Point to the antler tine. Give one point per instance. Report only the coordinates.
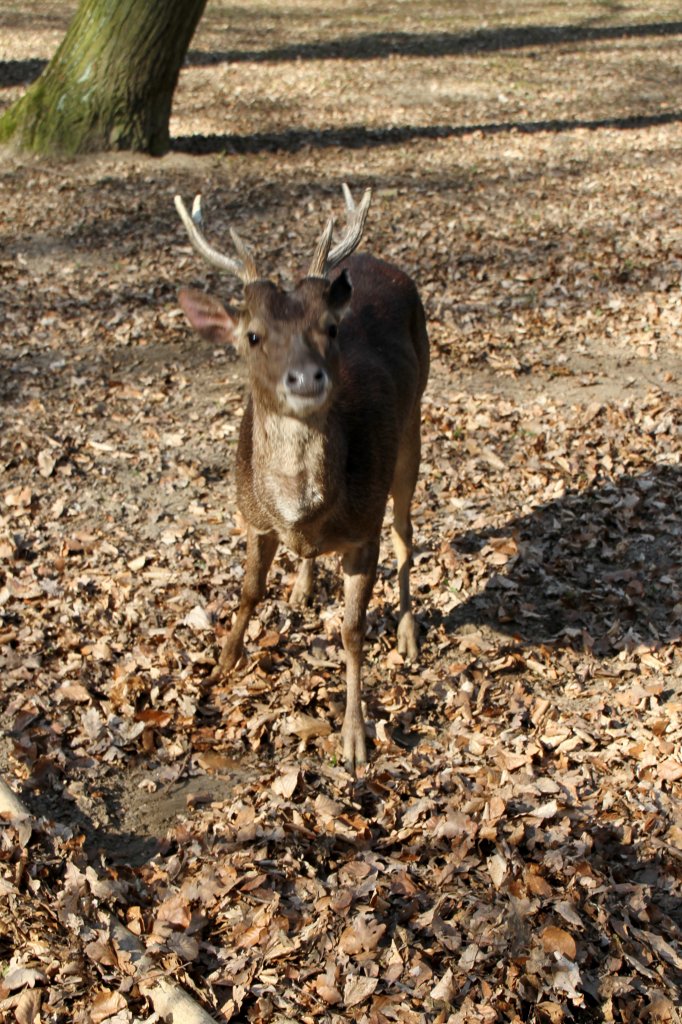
(243, 268)
(347, 197)
(245, 256)
(318, 264)
(356, 215)
(324, 260)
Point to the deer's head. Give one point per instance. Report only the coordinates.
(289, 338)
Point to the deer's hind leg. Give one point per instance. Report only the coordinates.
(359, 572)
(402, 491)
(303, 587)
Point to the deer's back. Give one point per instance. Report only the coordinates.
(384, 367)
(382, 340)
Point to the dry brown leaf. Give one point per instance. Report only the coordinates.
(252, 936)
(18, 497)
(497, 869)
(213, 761)
(569, 913)
(327, 808)
(537, 885)
(566, 978)
(105, 1004)
(305, 726)
(446, 988)
(670, 770)
(175, 911)
(358, 988)
(285, 784)
(75, 692)
(660, 1009)
(196, 618)
(28, 1005)
(18, 977)
(551, 1013)
(558, 940)
(545, 811)
(46, 463)
(325, 986)
(361, 935)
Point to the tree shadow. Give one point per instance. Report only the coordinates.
(361, 137)
(599, 569)
(119, 845)
(20, 72)
(377, 45)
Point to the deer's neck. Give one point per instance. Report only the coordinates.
(296, 467)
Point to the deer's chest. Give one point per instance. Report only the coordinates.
(293, 497)
(289, 475)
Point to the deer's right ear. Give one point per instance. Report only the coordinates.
(208, 316)
(340, 292)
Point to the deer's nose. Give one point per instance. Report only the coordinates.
(306, 381)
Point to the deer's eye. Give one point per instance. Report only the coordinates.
(332, 330)
(252, 338)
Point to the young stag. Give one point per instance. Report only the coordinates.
(337, 368)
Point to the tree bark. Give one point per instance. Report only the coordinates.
(110, 84)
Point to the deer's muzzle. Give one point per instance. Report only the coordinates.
(306, 388)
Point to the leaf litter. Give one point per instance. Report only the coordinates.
(512, 851)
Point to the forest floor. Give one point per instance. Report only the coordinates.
(513, 851)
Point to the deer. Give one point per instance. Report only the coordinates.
(336, 369)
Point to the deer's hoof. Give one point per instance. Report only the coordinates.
(354, 746)
(229, 656)
(299, 597)
(408, 637)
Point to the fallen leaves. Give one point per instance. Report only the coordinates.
(513, 850)
(557, 940)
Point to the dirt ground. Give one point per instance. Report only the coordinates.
(513, 850)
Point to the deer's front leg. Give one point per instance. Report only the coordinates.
(359, 572)
(260, 551)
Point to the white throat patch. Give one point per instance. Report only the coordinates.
(293, 462)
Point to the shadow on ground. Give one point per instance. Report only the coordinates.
(599, 569)
(360, 137)
(20, 72)
(378, 45)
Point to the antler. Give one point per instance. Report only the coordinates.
(244, 268)
(323, 260)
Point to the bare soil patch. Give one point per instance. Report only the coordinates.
(513, 850)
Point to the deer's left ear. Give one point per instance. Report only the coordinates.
(340, 292)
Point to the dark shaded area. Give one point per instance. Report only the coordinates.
(377, 45)
(119, 844)
(359, 137)
(26, 18)
(600, 568)
(120, 819)
(20, 72)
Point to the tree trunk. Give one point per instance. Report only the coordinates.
(110, 84)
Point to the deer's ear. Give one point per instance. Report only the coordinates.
(208, 316)
(340, 292)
